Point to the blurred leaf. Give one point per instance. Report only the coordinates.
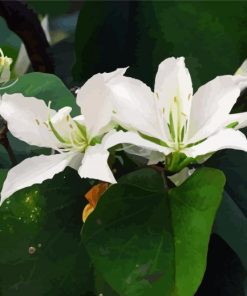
(141, 34)
(9, 41)
(231, 222)
(224, 274)
(144, 241)
(40, 250)
(52, 8)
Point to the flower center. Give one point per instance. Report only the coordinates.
(70, 133)
(177, 125)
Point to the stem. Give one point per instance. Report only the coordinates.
(161, 170)
(5, 142)
(23, 21)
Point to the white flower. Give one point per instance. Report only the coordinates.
(184, 125)
(5, 64)
(75, 139)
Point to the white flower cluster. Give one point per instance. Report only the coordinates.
(171, 124)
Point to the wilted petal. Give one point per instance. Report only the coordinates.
(86, 212)
(224, 139)
(34, 171)
(212, 104)
(26, 117)
(94, 99)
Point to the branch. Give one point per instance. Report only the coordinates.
(5, 141)
(25, 23)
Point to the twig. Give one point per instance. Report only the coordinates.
(25, 23)
(5, 141)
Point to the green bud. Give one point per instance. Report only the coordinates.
(5, 63)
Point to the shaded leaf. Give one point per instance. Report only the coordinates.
(40, 250)
(144, 241)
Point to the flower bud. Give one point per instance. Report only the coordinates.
(5, 63)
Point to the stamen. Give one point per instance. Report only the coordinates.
(171, 126)
(82, 129)
(55, 132)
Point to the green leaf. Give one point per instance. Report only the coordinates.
(145, 241)
(9, 41)
(52, 8)
(231, 225)
(142, 34)
(47, 87)
(40, 250)
(231, 222)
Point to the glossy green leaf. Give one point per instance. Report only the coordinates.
(47, 87)
(40, 250)
(145, 241)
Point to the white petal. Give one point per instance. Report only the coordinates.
(150, 157)
(156, 157)
(22, 61)
(135, 107)
(5, 75)
(224, 139)
(25, 117)
(34, 171)
(80, 119)
(94, 99)
(211, 105)
(240, 118)
(135, 150)
(174, 88)
(114, 138)
(94, 164)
